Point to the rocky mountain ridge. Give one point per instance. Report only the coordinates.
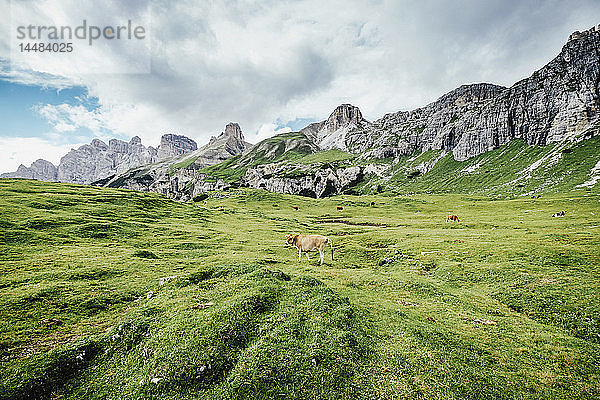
(558, 104)
(97, 160)
(557, 107)
(174, 175)
(40, 169)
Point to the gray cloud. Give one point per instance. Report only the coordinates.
(258, 62)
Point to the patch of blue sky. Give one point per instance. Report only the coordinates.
(296, 124)
(18, 104)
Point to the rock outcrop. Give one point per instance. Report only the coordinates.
(179, 177)
(229, 143)
(342, 116)
(559, 101)
(332, 133)
(317, 183)
(98, 160)
(41, 170)
(175, 145)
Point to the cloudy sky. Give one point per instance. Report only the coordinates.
(271, 66)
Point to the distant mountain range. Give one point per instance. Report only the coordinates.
(540, 134)
(97, 160)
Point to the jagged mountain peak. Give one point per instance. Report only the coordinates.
(577, 34)
(234, 131)
(99, 144)
(342, 116)
(231, 139)
(173, 145)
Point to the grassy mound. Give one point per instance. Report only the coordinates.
(236, 332)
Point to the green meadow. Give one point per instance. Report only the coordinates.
(110, 293)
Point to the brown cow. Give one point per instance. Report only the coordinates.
(306, 243)
(340, 208)
(295, 207)
(452, 218)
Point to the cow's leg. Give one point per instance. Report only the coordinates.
(299, 255)
(321, 256)
(307, 256)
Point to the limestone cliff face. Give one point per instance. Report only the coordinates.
(41, 170)
(557, 102)
(174, 145)
(178, 177)
(311, 183)
(98, 160)
(343, 116)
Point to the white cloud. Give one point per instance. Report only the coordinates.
(258, 62)
(17, 150)
(266, 131)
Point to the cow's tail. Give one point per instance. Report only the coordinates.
(331, 245)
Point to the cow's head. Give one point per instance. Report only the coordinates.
(289, 239)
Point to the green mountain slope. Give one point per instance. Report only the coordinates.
(512, 170)
(283, 147)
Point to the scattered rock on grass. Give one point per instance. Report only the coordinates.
(202, 306)
(548, 281)
(51, 321)
(166, 279)
(485, 322)
(406, 303)
(145, 254)
(387, 260)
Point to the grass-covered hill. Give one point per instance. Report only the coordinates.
(515, 169)
(118, 294)
(512, 170)
(280, 148)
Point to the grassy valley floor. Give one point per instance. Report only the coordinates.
(118, 294)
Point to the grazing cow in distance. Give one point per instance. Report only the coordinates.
(559, 214)
(220, 209)
(306, 243)
(340, 208)
(452, 218)
(295, 207)
(372, 203)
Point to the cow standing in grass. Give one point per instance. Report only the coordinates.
(452, 218)
(306, 243)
